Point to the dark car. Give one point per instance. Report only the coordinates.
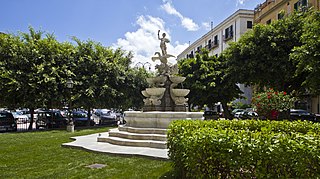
(300, 114)
(81, 119)
(105, 117)
(51, 119)
(7, 122)
(207, 115)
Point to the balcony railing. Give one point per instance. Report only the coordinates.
(230, 36)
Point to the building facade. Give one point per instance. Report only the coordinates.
(272, 10)
(217, 39)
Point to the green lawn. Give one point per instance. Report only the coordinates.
(40, 155)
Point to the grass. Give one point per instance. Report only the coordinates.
(40, 155)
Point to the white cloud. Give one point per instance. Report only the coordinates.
(240, 2)
(144, 41)
(185, 21)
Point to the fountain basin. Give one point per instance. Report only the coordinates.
(158, 79)
(145, 94)
(155, 91)
(180, 92)
(177, 79)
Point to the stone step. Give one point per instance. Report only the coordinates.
(134, 143)
(136, 136)
(143, 130)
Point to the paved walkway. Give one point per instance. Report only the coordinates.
(89, 142)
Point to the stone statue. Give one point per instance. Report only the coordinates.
(163, 42)
(163, 68)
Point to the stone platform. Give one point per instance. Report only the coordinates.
(145, 134)
(146, 129)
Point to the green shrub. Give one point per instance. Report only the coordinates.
(245, 149)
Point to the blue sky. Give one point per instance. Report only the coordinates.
(129, 24)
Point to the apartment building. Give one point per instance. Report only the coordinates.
(217, 39)
(272, 10)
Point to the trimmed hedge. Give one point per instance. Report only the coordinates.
(245, 149)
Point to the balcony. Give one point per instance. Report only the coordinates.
(228, 37)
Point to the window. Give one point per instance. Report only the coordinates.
(281, 14)
(249, 24)
(199, 49)
(191, 54)
(268, 21)
(215, 40)
(300, 4)
(209, 44)
(296, 5)
(304, 3)
(228, 34)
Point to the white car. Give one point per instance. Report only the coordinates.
(238, 114)
(20, 117)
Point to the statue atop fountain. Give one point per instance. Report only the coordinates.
(162, 94)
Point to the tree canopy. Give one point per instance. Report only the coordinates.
(261, 57)
(307, 56)
(207, 81)
(35, 67)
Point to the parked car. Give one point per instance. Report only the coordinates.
(300, 114)
(207, 115)
(7, 122)
(105, 117)
(233, 112)
(120, 117)
(81, 118)
(20, 117)
(51, 119)
(246, 115)
(25, 112)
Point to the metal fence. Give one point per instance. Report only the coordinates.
(23, 125)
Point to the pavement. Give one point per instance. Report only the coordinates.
(89, 142)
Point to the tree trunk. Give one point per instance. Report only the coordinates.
(227, 113)
(31, 118)
(89, 116)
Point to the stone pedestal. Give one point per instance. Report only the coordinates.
(70, 128)
(157, 119)
(146, 129)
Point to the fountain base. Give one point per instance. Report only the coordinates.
(157, 119)
(175, 108)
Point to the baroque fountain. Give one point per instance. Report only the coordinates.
(164, 102)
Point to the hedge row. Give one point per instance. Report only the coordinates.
(245, 149)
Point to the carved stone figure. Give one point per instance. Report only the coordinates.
(163, 42)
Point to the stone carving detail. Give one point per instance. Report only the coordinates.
(154, 96)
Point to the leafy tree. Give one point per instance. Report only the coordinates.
(103, 78)
(307, 56)
(261, 57)
(207, 82)
(32, 69)
(135, 82)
